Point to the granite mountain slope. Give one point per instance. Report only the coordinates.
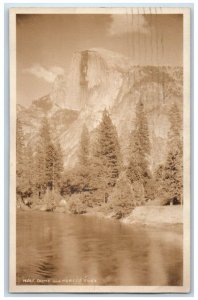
(99, 79)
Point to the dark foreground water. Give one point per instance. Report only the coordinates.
(66, 249)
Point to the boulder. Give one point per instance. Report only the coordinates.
(62, 203)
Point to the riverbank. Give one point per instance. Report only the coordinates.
(171, 214)
(147, 215)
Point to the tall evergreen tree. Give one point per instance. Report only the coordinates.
(158, 181)
(106, 160)
(172, 178)
(175, 132)
(20, 148)
(22, 184)
(140, 143)
(173, 169)
(83, 166)
(49, 160)
(44, 140)
(40, 169)
(51, 165)
(139, 151)
(54, 166)
(30, 168)
(59, 164)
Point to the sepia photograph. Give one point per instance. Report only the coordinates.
(100, 149)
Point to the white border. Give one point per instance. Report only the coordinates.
(185, 288)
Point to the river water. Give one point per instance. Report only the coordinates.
(67, 249)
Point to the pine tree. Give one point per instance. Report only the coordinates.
(174, 135)
(173, 177)
(109, 149)
(83, 166)
(173, 169)
(59, 169)
(44, 140)
(106, 159)
(140, 143)
(54, 166)
(158, 182)
(40, 169)
(20, 149)
(22, 183)
(139, 151)
(122, 198)
(30, 168)
(50, 165)
(49, 160)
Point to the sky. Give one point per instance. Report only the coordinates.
(46, 43)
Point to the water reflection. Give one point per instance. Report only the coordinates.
(67, 249)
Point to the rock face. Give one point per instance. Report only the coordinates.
(100, 79)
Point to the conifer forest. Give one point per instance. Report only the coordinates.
(102, 177)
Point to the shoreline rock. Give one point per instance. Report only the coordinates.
(147, 215)
(171, 214)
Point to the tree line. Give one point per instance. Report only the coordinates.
(100, 176)
(40, 171)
